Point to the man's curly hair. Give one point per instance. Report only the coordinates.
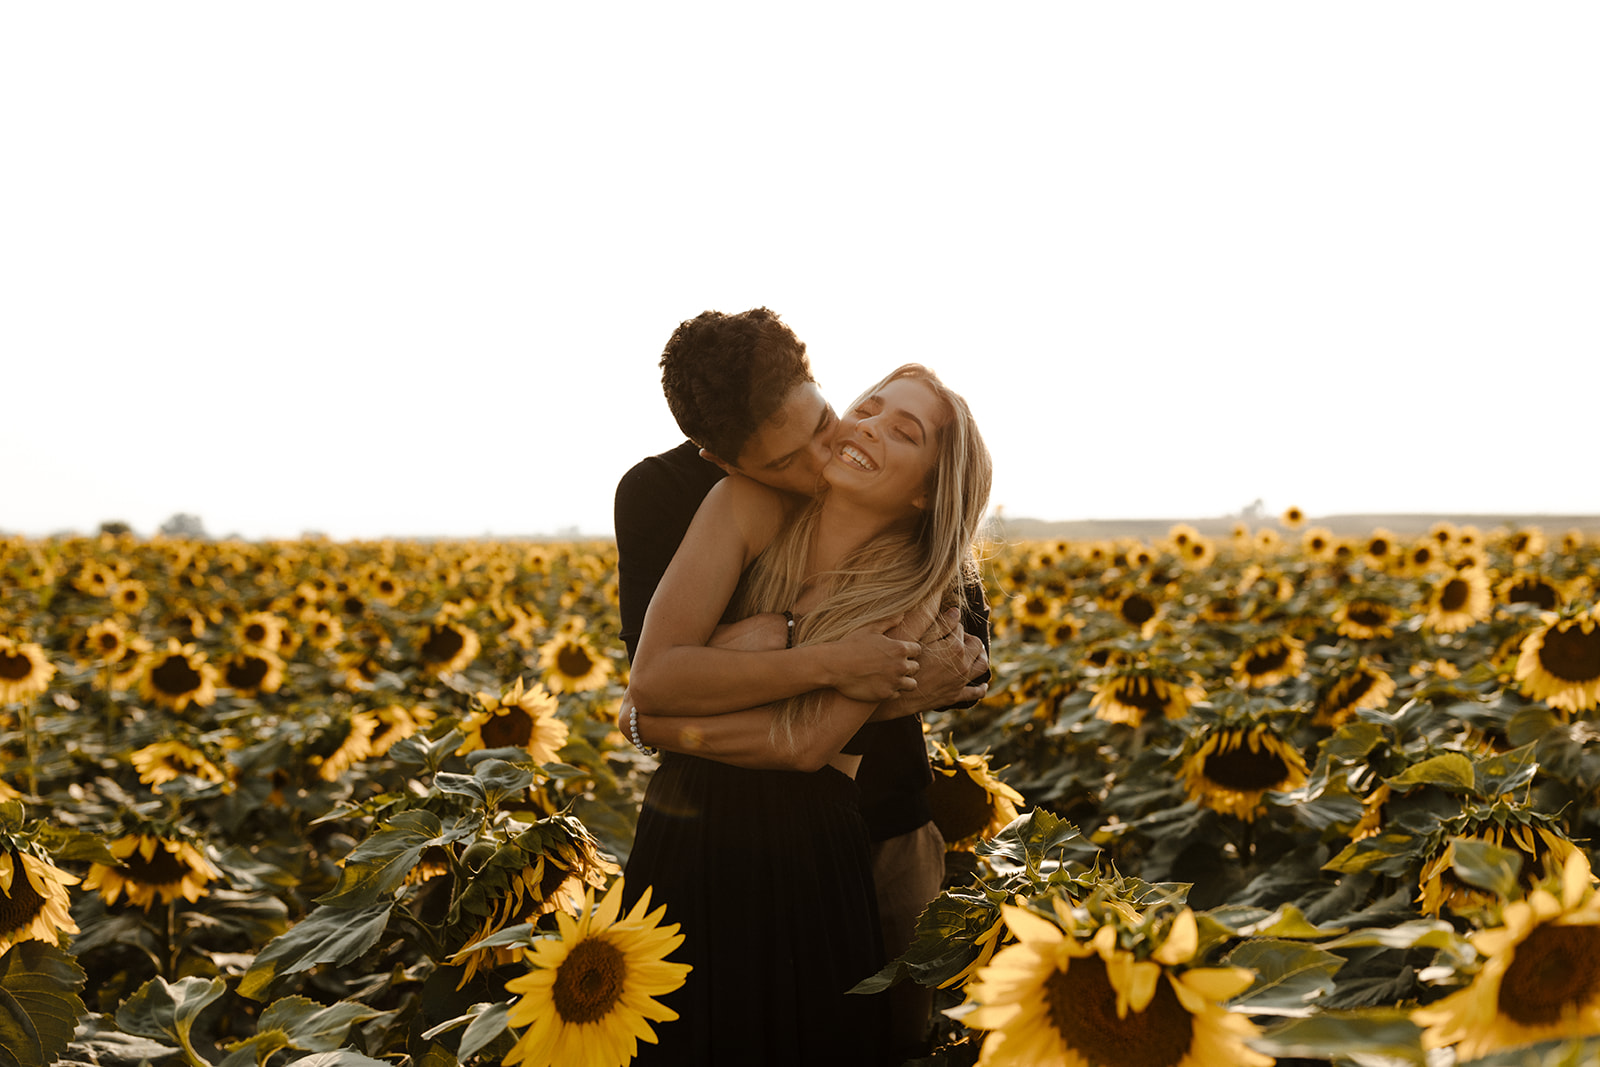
(724, 375)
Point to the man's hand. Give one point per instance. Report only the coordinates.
(949, 660)
(759, 633)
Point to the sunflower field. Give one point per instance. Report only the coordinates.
(1282, 797)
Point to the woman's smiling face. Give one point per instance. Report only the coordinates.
(886, 444)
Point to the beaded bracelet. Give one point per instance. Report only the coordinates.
(788, 634)
(633, 730)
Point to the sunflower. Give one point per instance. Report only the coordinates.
(385, 587)
(1199, 553)
(1365, 619)
(252, 671)
(1380, 547)
(1140, 611)
(1541, 981)
(396, 723)
(1180, 535)
(1528, 541)
(571, 664)
(322, 627)
(354, 747)
(1442, 534)
(545, 886)
(1130, 697)
(1053, 1000)
(1543, 852)
(33, 899)
(516, 719)
(1363, 686)
(1268, 541)
(1317, 541)
(164, 761)
(178, 676)
(92, 579)
(152, 867)
(262, 629)
(589, 996)
(1220, 610)
(1560, 662)
(447, 647)
(1459, 602)
(1233, 767)
(24, 671)
(1293, 518)
(1528, 588)
(131, 596)
(1277, 659)
(1063, 631)
(103, 642)
(967, 801)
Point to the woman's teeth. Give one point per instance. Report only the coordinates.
(857, 457)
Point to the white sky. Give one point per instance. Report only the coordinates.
(400, 268)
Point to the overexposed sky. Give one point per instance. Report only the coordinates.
(405, 269)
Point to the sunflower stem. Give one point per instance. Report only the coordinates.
(31, 741)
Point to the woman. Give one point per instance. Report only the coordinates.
(768, 870)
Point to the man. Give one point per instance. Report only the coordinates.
(741, 389)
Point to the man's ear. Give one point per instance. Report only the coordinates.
(712, 457)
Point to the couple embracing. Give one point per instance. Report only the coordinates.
(795, 588)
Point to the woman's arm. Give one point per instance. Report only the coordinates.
(674, 673)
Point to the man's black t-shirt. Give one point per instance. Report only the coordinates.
(655, 503)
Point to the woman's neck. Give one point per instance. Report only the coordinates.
(842, 527)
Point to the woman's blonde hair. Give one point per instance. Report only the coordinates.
(893, 573)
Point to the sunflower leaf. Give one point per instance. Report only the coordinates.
(1487, 866)
(483, 1024)
(1451, 770)
(1568, 1052)
(39, 1004)
(345, 1057)
(166, 1011)
(1028, 839)
(1506, 771)
(378, 866)
(1290, 976)
(1419, 933)
(327, 935)
(257, 1048)
(417, 750)
(1376, 1035)
(520, 935)
(315, 1027)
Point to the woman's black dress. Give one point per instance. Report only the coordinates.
(769, 875)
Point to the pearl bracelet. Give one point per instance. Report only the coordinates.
(633, 731)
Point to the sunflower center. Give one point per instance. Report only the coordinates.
(1454, 595)
(14, 667)
(255, 633)
(1266, 659)
(1367, 615)
(589, 981)
(1083, 1009)
(23, 904)
(960, 806)
(1351, 689)
(1138, 608)
(1571, 653)
(109, 642)
(444, 643)
(1244, 770)
(247, 672)
(1147, 694)
(573, 661)
(1554, 970)
(175, 677)
(163, 868)
(512, 728)
(1533, 591)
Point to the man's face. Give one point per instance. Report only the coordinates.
(789, 450)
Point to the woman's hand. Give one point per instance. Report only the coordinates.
(871, 665)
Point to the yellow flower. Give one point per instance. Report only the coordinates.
(1052, 1000)
(354, 747)
(396, 723)
(1139, 611)
(1293, 518)
(447, 647)
(1234, 767)
(262, 629)
(1365, 686)
(1542, 979)
(1365, 619)
(178, 676)
(24, 671)
(323, 629)
(589, 997)
(1543, 852)
(163, 761)
(968, 802)
(102, 642)
(1459, 602)
(1529, 588)
(1560, 662)
(251, 671)
(516, 719)
(33, 900)
(131, 596)
(571, 664)
(152, 868)
(1277, 659)
(1129, 698)
(1317, 541)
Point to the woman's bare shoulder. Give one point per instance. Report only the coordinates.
(757, 510)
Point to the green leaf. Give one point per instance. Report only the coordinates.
(345, 1057)
(417, 750)
(1452, 770)
(1418, 933)
(39, 1004)
(1290, 976)
(315, 1027)
(1288, 922)
(378, 866)
(945, 942)
(482, 1031)
(1486, 866)
(1353, 741)
(1029, 839)
(257, 1048)
(98, 1037)
(327, 935)
(1376, 1035)
(1391, 853)
(1506, 771)
(520, 935)
(166, 1011)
